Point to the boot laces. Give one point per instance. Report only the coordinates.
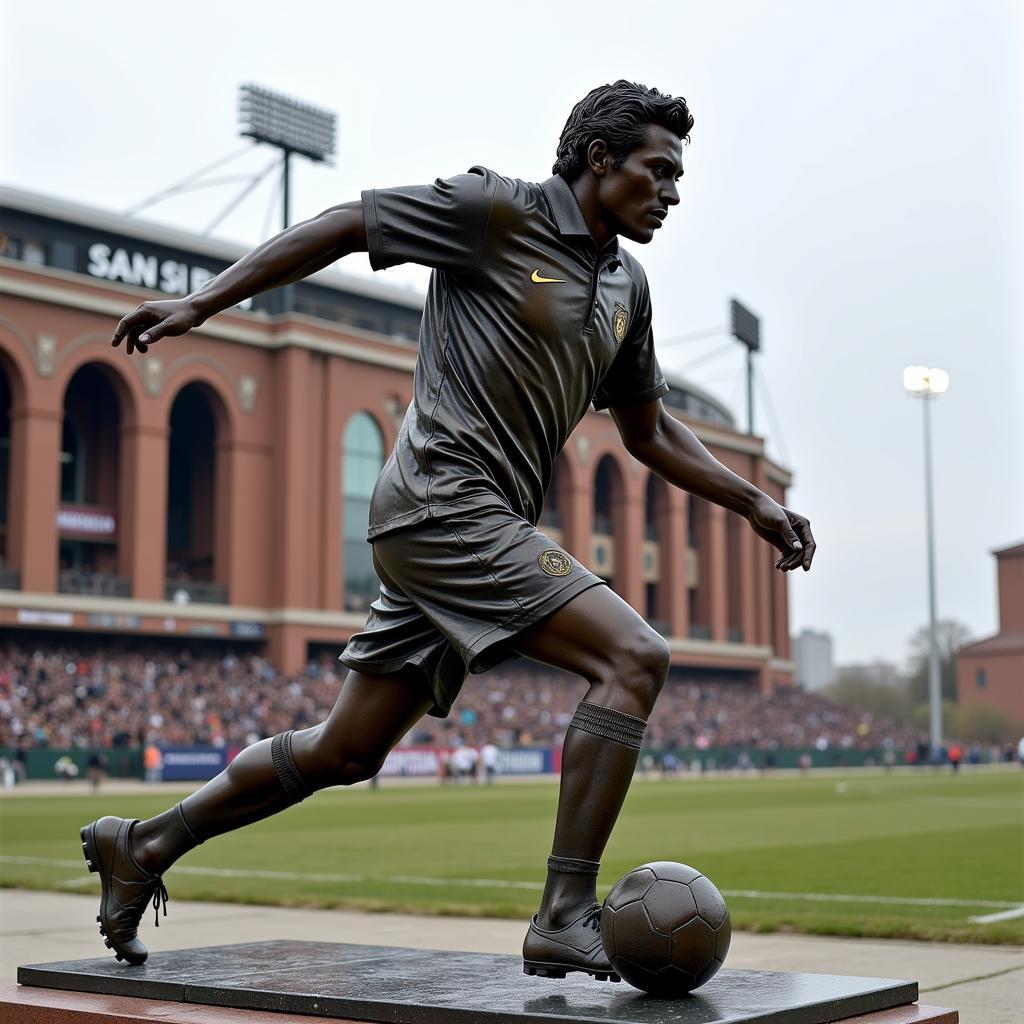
(159, 898)
(154, 895)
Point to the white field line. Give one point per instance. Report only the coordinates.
(499, 883)
(1004, 915)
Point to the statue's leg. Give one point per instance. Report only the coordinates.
(600, 637)
(372, 713)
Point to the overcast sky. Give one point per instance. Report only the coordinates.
(854, 177)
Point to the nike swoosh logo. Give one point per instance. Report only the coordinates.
(537, 279)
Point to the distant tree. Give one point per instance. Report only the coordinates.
(986, 725)
(921, 718)
(952, 635)
(883, 700)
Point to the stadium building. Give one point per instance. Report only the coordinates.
(218, 486)
(990, 672)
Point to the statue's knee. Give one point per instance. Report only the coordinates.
(636, 671)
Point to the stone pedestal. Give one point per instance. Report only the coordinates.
(392, 985)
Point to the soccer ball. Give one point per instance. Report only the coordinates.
(665, 928)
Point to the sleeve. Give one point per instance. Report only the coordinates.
(634, 376)
(442, 226)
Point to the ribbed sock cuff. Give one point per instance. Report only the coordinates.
(613, 725)
(572, 866)
(291, 780)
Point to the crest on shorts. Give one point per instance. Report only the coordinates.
(555, 563)
(620, 322)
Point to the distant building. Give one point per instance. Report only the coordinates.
(991, 671)
(812, 652)
(215, 490)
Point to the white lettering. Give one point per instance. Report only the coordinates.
(71, 521)
(144, 268)
(169, 276)
(120, 268)
(99, 259)
(174, 277)
(30, 617)
(182, 758)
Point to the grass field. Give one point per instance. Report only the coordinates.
(902, 855)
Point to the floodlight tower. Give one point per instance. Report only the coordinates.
(292, 126)
(927, 383)
(746, 328)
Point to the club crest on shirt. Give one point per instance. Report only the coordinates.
(555, 563)
(620, 322)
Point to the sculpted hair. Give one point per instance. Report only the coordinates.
(619, 114)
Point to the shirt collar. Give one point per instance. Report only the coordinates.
(565, 209)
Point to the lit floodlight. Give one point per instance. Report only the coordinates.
(924, 380)
(290, 124)
(915, 378)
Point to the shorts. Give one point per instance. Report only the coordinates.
(455, 591)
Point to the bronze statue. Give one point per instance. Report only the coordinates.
(533, 314)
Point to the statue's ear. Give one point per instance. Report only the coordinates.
(599, 157)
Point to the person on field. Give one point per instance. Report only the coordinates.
(534, 314)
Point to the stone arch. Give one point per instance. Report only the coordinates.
(12, 396)
(656, 568)
(21, 384)
(127, 385)
(698, 533)
(198, 496)
(17, 345)
(98, 404)
(609, 482)
(218, 386)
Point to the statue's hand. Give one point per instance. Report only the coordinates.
(785, 530)
(155, 320)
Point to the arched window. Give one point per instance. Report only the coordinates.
(609, 525)
(194, 506)
(5, 462)
(657, 573)
(362, 458)
(90, 477)
(603, 498)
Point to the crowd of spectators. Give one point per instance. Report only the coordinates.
(120, 696)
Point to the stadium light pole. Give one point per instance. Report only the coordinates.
(746, 328)
(290, 125)
(926, 383)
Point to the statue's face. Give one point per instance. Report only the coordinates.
(636, 196)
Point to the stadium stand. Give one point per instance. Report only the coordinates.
(80, 697)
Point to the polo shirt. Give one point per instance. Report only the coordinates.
(525, 326)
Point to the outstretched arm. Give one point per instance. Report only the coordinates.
(293, 254)
(672, 451)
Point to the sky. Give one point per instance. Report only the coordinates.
(853, 177)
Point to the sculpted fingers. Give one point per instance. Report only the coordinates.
(803, 553)
(803, 528)
(127, 325)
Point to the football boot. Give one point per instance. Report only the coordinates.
(126, 888)
(576, 947)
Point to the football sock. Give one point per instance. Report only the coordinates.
(262, 780)
(598, 759)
